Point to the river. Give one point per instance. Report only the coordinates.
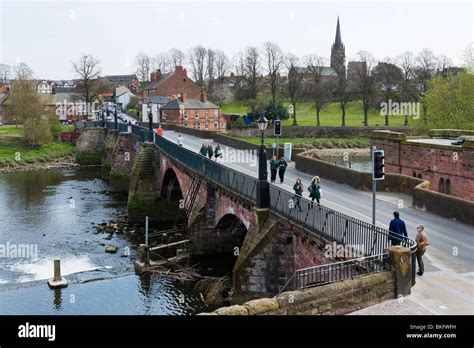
(51, 214)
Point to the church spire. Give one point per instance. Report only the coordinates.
(338, 41)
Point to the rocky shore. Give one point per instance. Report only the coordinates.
(68, 161)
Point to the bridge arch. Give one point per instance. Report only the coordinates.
(232, 231)
(170, 186)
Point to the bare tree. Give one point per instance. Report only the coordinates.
(222, 64)
(143, 66)
(341, 87)
(424, 72)
(210, 70)
(176, 57)
(317, 89)
(273, 56)
(443, 64)
(406, 63)
(388, 77)
(295, 76)
(364, 81)
(197, 58)
(88, 69)
(5, 72)
(163, 62)
(252, 77)
(468, 57)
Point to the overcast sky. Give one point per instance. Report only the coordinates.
(50, 35)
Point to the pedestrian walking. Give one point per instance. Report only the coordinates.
(397, 229)
(203, 151)
(179, 141)
(159, 131)
(315, 190)
(217, 152)
(273, 169)
(210, 151)
(421, 244)
(298, 188)
(282, 164)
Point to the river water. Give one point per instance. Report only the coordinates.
(51, 214)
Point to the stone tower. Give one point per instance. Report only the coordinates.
(338, 52)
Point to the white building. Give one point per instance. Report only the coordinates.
(123, 96)
(156, 103)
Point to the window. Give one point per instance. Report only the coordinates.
(448, 187)
(441, 186)
(207, 115)
(216, 114)
(414, 174)
(185, 123)
(197, 115)
(216, 124)
(185, 115)
(206, 125)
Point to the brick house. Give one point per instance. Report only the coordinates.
(173, 83)
(444, 160)
(193, 113)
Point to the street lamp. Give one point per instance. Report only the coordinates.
(116, 118)
(150, 122)
(263, 188)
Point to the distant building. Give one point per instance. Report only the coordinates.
(173, 83)
(193, 113)
(122, 96)
(129, 81)
(58, 86)
(156, 103)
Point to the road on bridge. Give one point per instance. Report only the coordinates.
(447, 287)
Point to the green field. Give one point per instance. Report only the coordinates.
(330, 114)
(14, 152)
(13, 130)
(320, 143)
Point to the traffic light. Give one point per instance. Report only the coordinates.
(378, 162)
(277, 128)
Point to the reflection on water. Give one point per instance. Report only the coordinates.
(54, 210)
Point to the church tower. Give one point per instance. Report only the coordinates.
(338, 51)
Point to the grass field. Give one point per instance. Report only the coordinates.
(13, 130)
(14, 152)
(319, 143)
(330, 114)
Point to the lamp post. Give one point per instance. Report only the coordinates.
(263, 187)
(150, 123)
(116, 118)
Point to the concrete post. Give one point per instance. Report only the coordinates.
(400, 259)
(57, 281)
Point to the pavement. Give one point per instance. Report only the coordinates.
(446, 287)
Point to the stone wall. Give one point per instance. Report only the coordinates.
(123, 157)
(89, 146)
(315, 132)
(332, 299)
(423, 197)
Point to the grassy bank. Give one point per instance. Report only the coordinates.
(330, 114)
(13, 130)
(318, 143)
(13, 151)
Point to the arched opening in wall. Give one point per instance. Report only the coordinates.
(441, 185)
(171, 201)
(448, 187)
(414, 174)
(224, 244)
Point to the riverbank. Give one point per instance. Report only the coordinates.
(63, 162)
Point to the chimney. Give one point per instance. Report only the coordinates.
(158, 74)
(183, 97)
(203, 97)
(152, 76)
(185, 71)
(179, 68)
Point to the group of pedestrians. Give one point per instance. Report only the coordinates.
(208, 151)
(398, 233)
(314, 189)
(280, 166)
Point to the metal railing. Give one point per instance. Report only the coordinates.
(362, 237)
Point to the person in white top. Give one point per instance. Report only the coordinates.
(180, 140)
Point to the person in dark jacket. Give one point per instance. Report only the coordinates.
(298, 188)
(397, 229)
(273, 168)
(203, 151)
(315, 190)
(210, 151)
(281, 169)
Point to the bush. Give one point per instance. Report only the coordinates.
(55, 127)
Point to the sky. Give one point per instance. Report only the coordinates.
(50, 35)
